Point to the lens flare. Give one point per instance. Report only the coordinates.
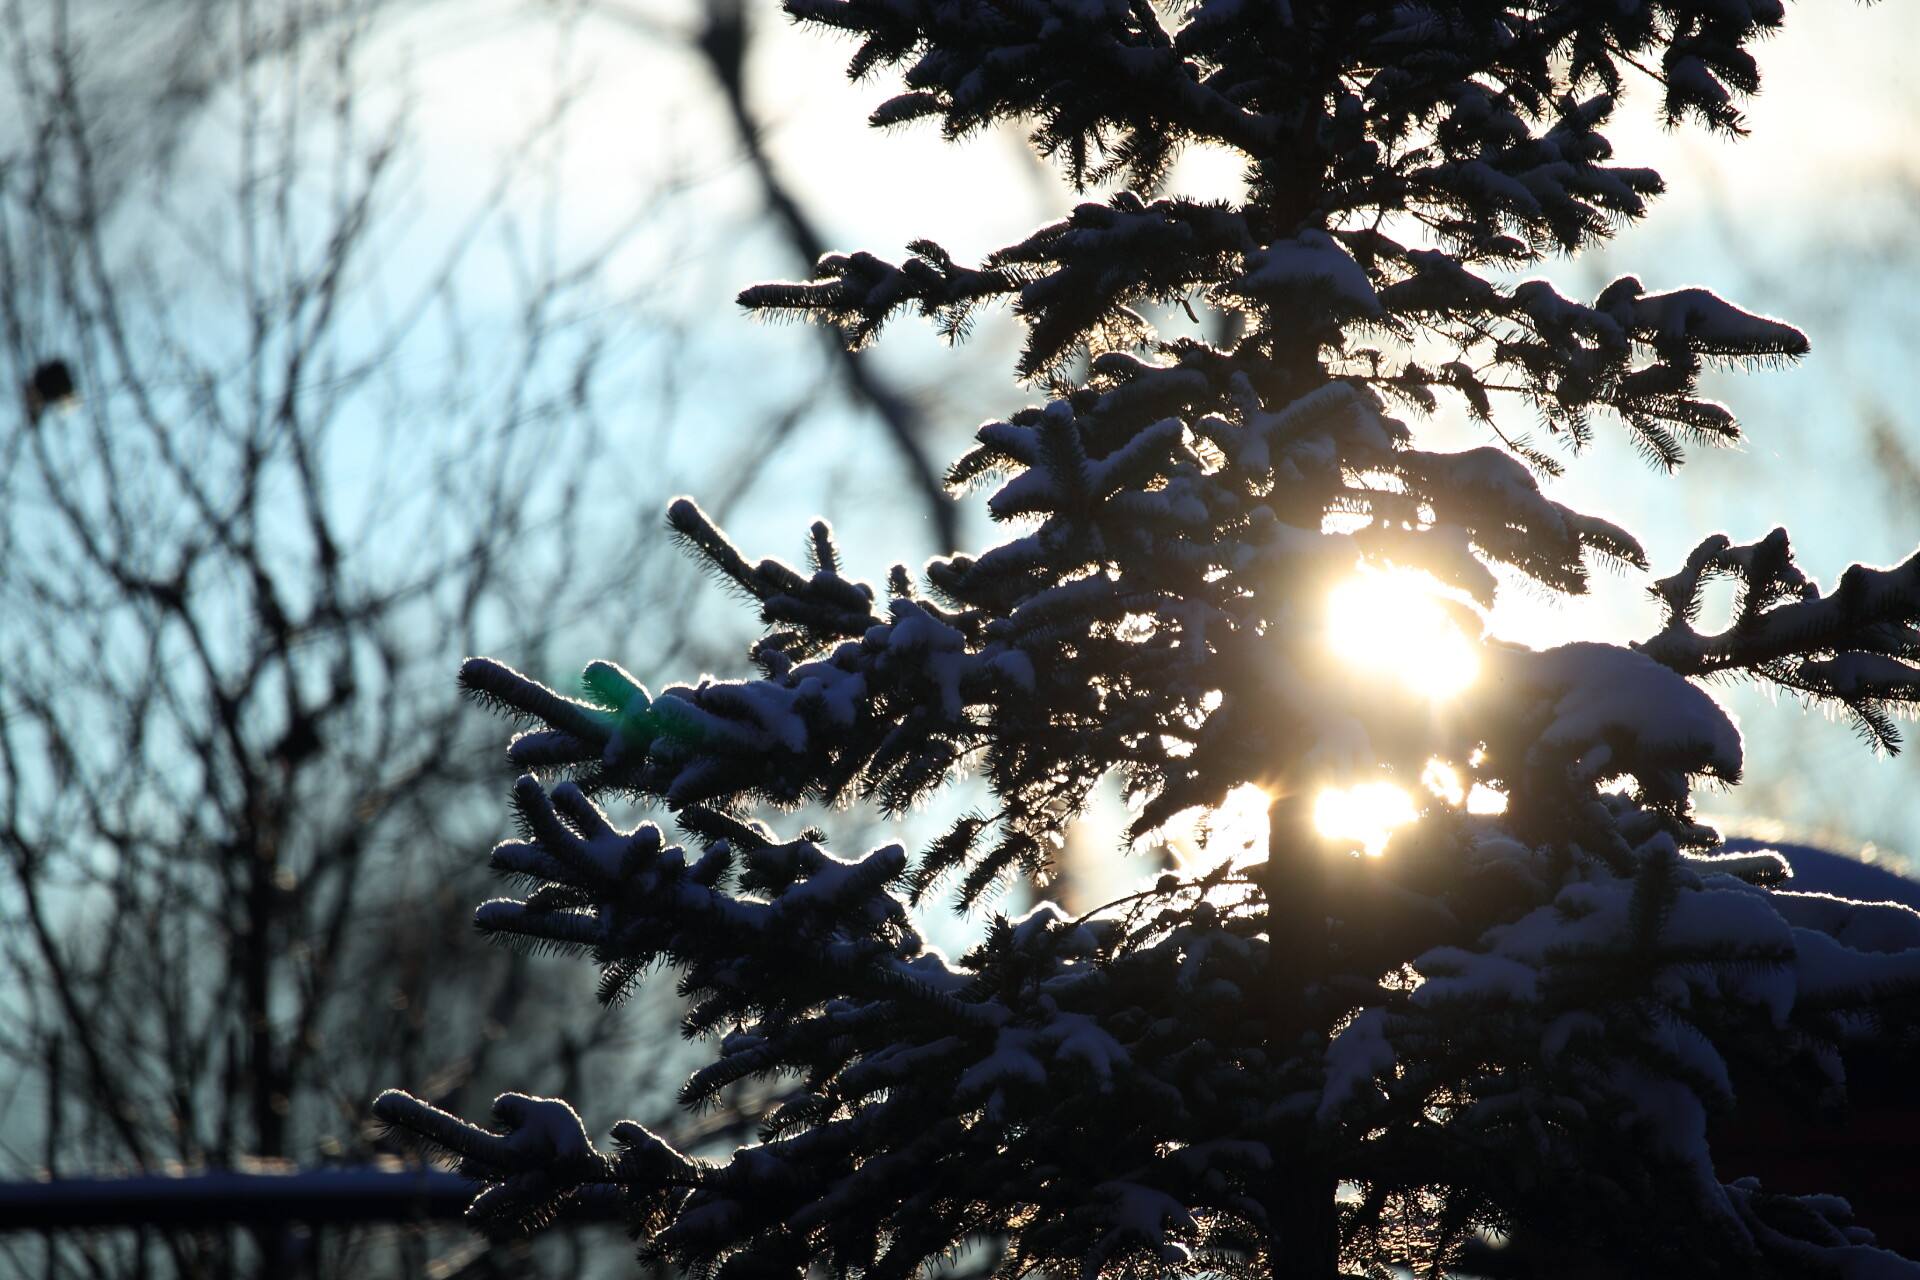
(1485, 800)
(1443, 780)
(1366, 814)
(1395, 622)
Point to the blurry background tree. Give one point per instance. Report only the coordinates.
(311, 393)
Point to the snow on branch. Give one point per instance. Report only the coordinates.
(1858, 646)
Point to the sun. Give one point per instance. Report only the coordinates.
(1396, 622)
(1366, 814)
(1369, 814)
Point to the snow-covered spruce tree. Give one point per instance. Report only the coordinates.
(1323, 1061)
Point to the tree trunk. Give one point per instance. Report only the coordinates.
(1305, 1237)
(1306, 1224)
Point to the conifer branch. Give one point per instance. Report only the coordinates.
(1525, 1019)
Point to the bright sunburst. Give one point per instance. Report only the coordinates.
(1380, 622)
(1369, 814)
(1444, 781)
(1366, 814)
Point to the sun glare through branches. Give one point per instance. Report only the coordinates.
(1402, 623)
(1398, 622)
(1366, 814)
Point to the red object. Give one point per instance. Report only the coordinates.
(1871, 1158)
